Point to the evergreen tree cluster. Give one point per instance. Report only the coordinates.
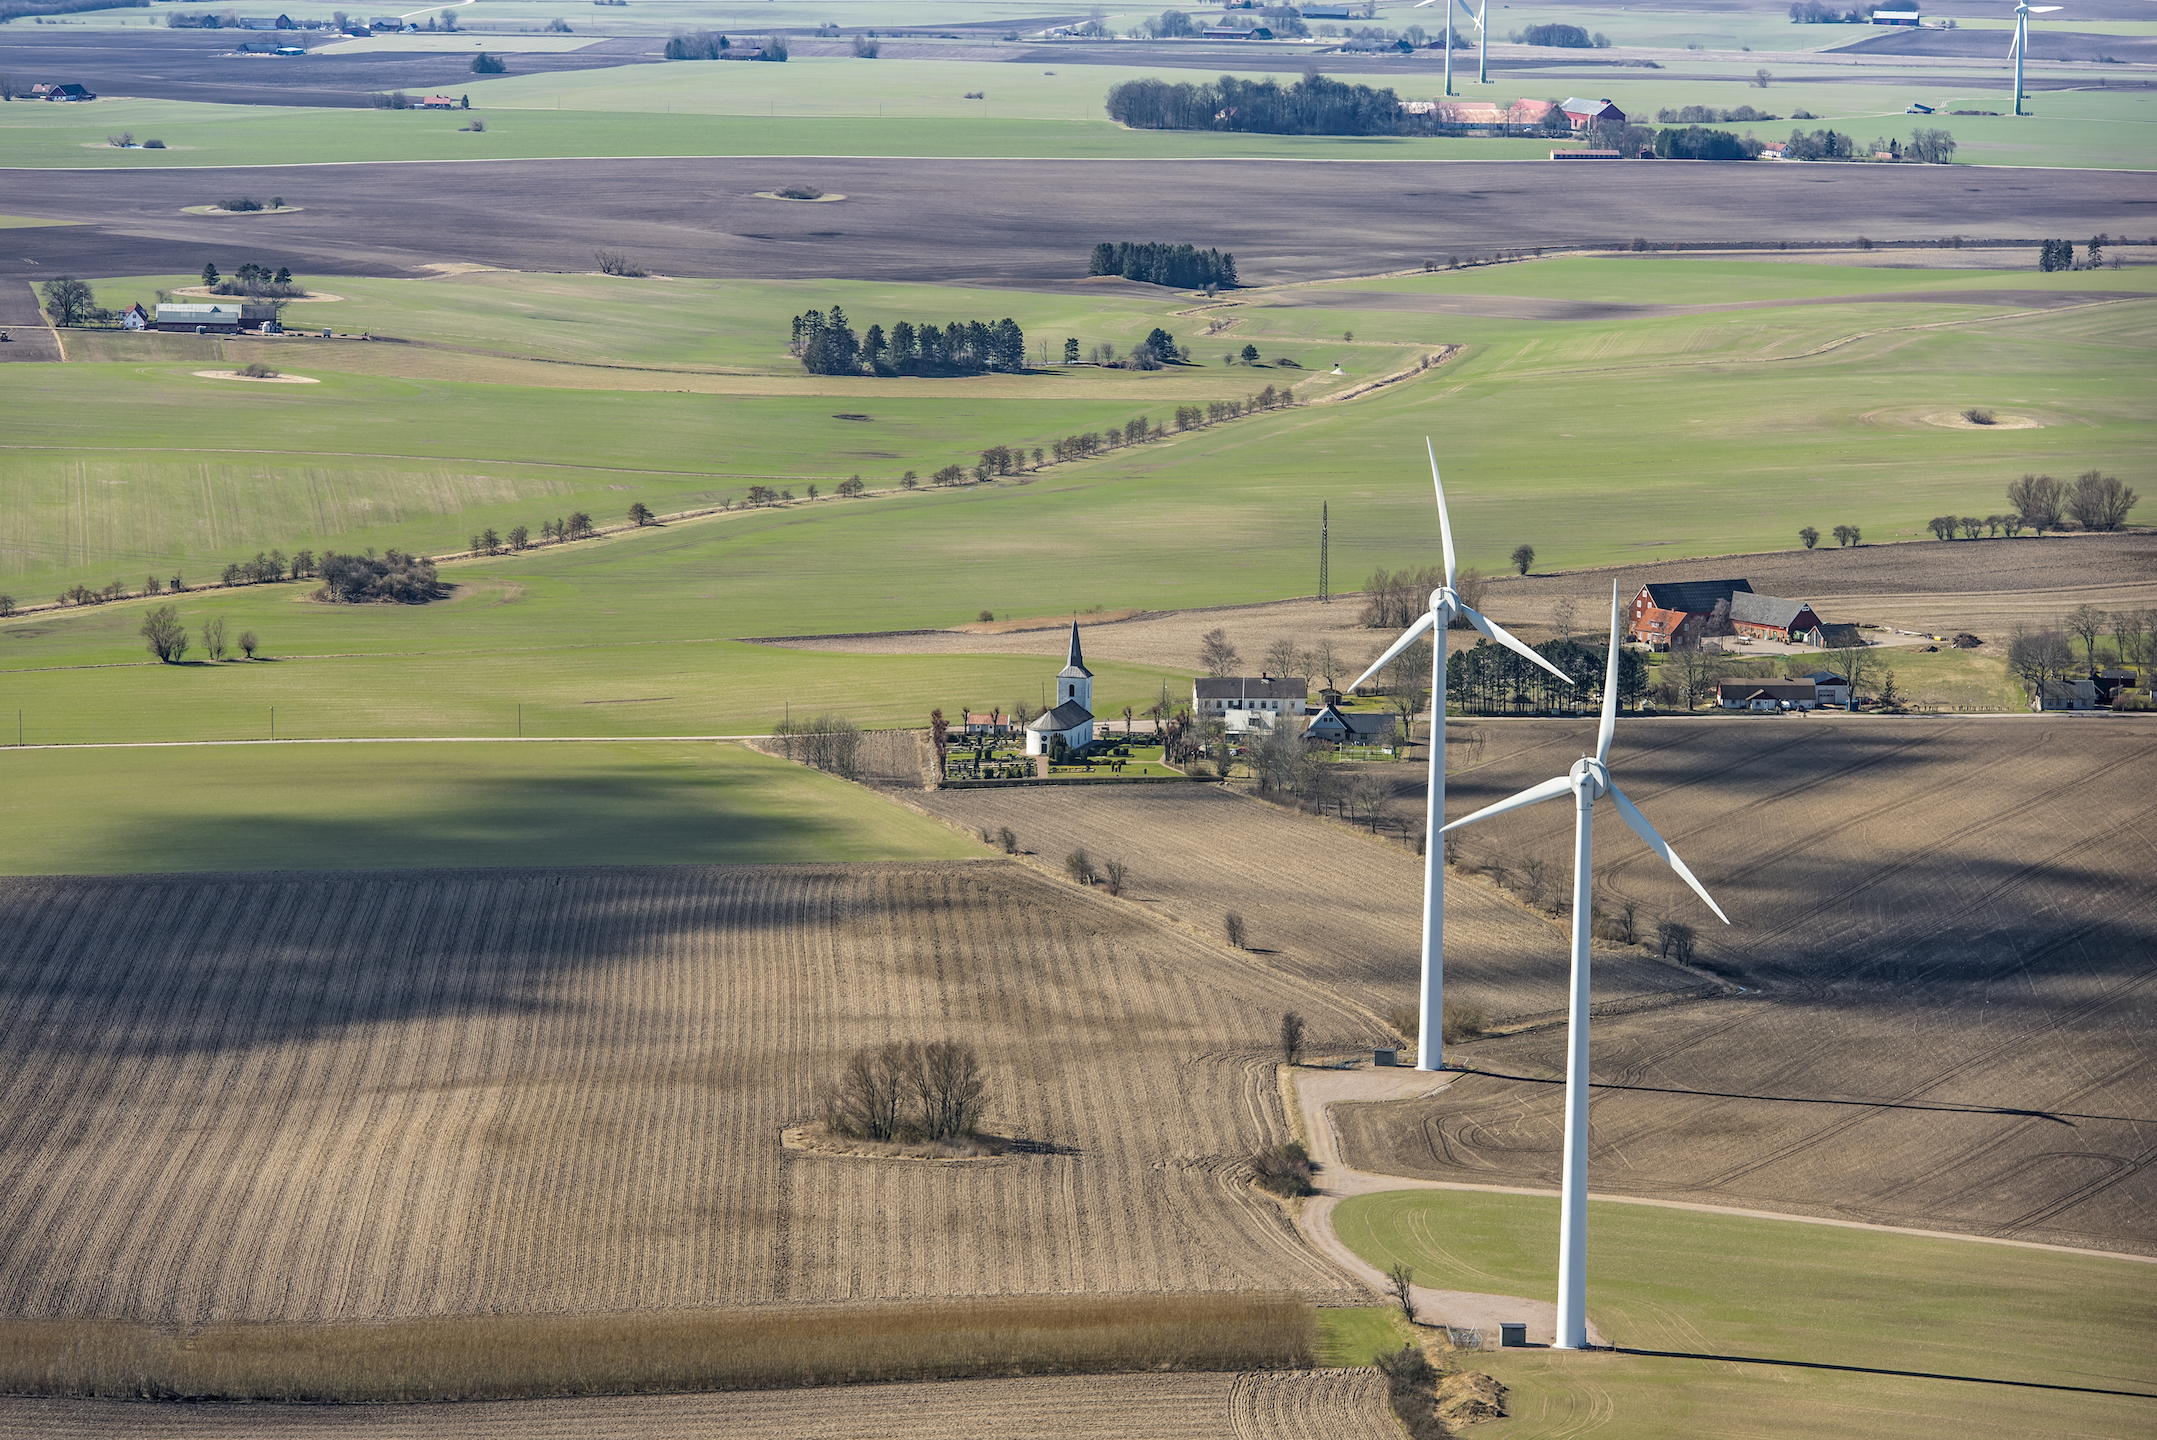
(1696, 143)
(1313, 105)
(1490, 679)
(1184, 266)
(827, 345)
(2055, 255)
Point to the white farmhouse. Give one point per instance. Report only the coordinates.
(1242, 703)
(1071, 718)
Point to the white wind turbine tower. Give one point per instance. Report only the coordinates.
(1445, 604)
(1481, 39)
(2019, 47)
(1588, 781)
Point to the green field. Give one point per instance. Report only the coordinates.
(1359, 1335)
(359, 807)
(1728, 1326)
(1657, 435)
(918, 108)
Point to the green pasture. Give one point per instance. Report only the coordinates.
(1358, 1335)
(1663, 278)
(364, 806)
(918, 108)
(1731, 1326)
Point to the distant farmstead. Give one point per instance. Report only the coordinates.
(1764, 617)
(68, 91)
(1767, 695)
(226, 317)
(1237, 699)
(1587, 114)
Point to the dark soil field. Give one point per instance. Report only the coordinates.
(1947, 940)
(1009, 220)
(2047, 43)
(202, 66)
(29, 337)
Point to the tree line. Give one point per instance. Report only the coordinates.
(1185, 267)
(2096, 501)
(827, 345)
(167, 638)
(1491, 680)
(1313, 105)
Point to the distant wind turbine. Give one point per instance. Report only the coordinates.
(1482, 40)
(1445, 604)
(2019, 47)
(1588, 781)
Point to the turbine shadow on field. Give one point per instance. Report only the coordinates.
(1872, 1370)
(2058, 1117)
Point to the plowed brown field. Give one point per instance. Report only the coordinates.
(1304, 1405)
(346, 1096)
(1950, 936)
(1321, 900)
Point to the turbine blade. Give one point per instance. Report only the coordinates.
(1610, 686)
(2014, 45)
(1534, 795)
(1645, 831)
(1499, 633)
(1445, 524)
(1408, 638)
(1467, 10)
(2045, 9)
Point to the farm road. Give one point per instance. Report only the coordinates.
(29, 337)
(1947, 929)
(1298, 1405)
(1008, 220)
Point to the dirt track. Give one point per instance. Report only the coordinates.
(1950, 931)
(1311, 1405)
(1010, 220)
(360, 1095)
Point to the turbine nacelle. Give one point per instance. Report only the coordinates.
(1589, 779)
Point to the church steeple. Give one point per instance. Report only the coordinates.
(1075, 681)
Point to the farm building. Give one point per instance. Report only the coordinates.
(1896, 17)
(1835, 637)
(134, 317)
(995, 724)
(1219, 698)
(1832, 689)
(1230, 32)
(1764, 617)
(439, 102)
(67, 91)
(1675, 614)
(1767, 695)
(1352, 727)
(1587, 114)
(223, 317)
(1482, 112)
(1069, 725)
(2076, 694)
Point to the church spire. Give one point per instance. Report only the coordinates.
(1076, 661)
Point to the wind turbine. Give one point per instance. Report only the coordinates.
(1445, 604)
(2018, 47)
(1481, 38)
(1588, 781)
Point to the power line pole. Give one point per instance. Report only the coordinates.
(1325, 593)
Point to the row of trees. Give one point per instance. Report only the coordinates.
(255, 281)
(1845, 535)
(2097, 501)
(1184, 266)
(1393, 600)
(2060, 254)
(1214, 412)
(831, 743)
(827, 345)
(1490, 679)
(1709, 115)
(705, 45)
(1313, 105)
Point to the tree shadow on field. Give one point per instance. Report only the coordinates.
(1872, 1370)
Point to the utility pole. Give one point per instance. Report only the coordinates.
(1325, 593)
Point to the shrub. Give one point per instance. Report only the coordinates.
(1008, 841)
(1463, 1022)
(1977, 415)
(474, 126)
(615, 262)
(1411, 1388)
(256, 370)
(1284, 1170)
(240, 206)
(1079, 867)
(1674, 941)
(153, 144)
(1118, 875)
(798, 192)
(485, 64)
(391, 577)
(1232, 928)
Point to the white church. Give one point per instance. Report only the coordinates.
(1071, 718)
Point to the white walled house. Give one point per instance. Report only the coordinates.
(1239, 701)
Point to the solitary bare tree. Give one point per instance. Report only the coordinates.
(1400, 1283)
(1291, 1038)
(1561, 618)
(2038, 499)
(1281, 657)
(1217, 653)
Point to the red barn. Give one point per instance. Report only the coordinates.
(1675, 614)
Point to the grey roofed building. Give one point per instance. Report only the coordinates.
(1695, 595)
(1216, 694)
(1344, 726)
(1067, 716)
(1836, 636)
(1788, 619)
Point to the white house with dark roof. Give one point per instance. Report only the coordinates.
(1070, 719)
(1241, 701)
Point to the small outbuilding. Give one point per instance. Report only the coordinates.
(1910, 18)
(1587, 114)
(1832, 689)
(1765, 617)
(1767, 695)
(2064, 694)
(223, 317)
(1353, 727)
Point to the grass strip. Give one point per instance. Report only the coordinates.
(500, 1357)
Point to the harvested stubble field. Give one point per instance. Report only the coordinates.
(1297, 1405)
(1322, 901)
(1945, 929)
(363, 1096)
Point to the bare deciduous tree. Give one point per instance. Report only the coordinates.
(213, 638)
(1561, 618)
(1216, 653)
(166, 636)
(2099, 501)
(1281, 657)
(2086, 622)
(1400, 1284)
(1117, 875)
(1674, 941)
(2038, 500)
(1232, 929)
(908, 1090)
(1292, 1038)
